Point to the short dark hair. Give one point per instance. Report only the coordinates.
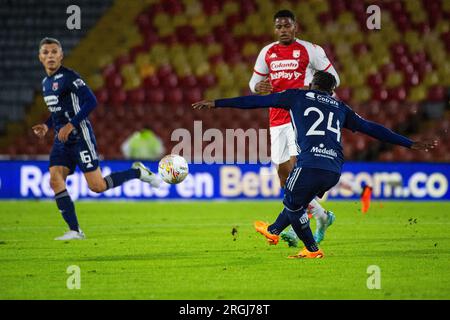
(324, 81)
(284, 14)
(48, 40)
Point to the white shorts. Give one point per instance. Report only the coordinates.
(282, 143)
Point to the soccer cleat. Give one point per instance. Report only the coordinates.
(305, 254)
(290, 237)
(147, 175)
(261, 227)
(319, 235)
(366, 196)
(72, 235)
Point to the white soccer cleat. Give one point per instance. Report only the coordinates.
(72, 235)
(147, 175)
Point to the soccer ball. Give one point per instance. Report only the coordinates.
(173, 168)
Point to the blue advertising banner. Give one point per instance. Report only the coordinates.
(396, 181)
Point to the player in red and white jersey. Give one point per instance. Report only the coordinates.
(289, 63)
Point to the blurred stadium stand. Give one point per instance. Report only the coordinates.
(147, 61)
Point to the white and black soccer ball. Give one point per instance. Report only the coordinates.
(173, 168)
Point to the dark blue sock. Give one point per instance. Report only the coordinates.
(67, 209)
(300, 224)
(280, 224)
(116, 179)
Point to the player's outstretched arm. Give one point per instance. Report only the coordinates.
(382, 133)
(204, 104)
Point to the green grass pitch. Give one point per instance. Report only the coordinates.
(182, 250)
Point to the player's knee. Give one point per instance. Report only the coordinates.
(57, 183)
(97, 187)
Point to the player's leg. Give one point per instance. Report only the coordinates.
(303, 185)
(297, 196)
(275, 230)
(285, 163)
(61, 166)
(58, 175)
(88, 163)
(97, 183)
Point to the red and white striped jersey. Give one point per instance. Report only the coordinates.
(289, 67)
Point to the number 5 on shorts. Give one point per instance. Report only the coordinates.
(85, 156)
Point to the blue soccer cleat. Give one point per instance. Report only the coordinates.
(319, 235)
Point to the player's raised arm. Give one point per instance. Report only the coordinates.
(284, 100)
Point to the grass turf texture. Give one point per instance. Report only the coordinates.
(150, 250)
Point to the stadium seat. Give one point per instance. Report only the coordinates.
(165, 55)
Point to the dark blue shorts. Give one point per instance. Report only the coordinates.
(81, 153)
(304, 184)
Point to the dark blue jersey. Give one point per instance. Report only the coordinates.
(317, 119)
(69, 100)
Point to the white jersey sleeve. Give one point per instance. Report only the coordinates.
(320, 62)
(261, 69)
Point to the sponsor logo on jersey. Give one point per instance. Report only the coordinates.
(54, 109)
(321, 151)
(51, 100)
(58, 76)
(296, 53)
(328, 100)
(285, 75)
(284, 65)
(55, 86)
(79, 83)
(311, 95)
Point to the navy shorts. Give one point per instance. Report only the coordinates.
(304, 184)
(80, 152)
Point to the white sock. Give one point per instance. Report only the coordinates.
(318, 212)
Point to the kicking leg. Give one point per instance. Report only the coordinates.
(98, 184)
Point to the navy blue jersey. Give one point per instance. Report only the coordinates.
(69, 100)
(317, 119)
